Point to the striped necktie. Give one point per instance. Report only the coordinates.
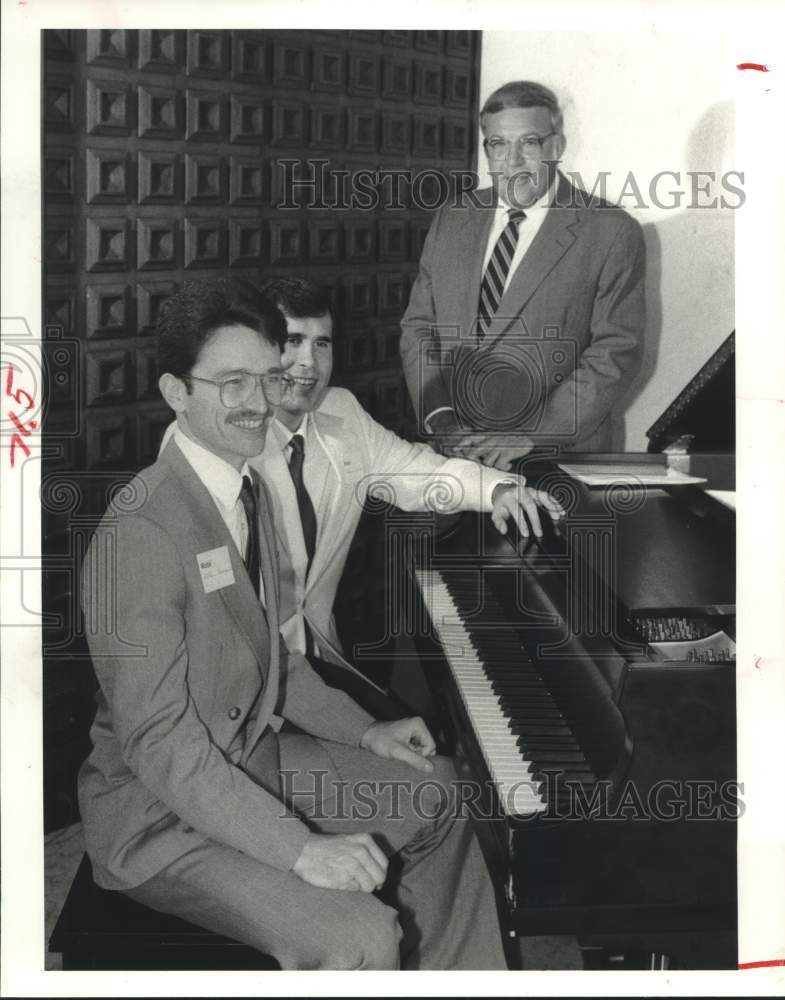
(495, 277)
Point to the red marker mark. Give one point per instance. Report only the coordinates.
(762, 965)
(757, 662)
(17, 441)
(760, 399)
(760, 67)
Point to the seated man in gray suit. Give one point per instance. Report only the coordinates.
(525, 324)
(192, 802)
(325, 454)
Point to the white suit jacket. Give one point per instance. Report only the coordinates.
(349, 456)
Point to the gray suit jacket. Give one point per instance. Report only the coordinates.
(566, 339)
(191, 678)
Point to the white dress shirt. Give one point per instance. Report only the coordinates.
(223, 483)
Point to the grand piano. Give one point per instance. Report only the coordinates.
(586, 684)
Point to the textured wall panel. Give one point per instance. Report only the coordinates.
(59, 176)
(287, 243)
(108, 178)
(160, 51)
(59, 109)
(205, 243)
(107, 245)
(246, 244)
(291, 64)
(249, 118)
(208, 54)
(246, 180)
(109, 376)
(160, 112)
(205, 116)
(250, 57)
(159, 178)
(150, 296)
(108, 107)
(108, 48)
(157, 244)
(108, 310)
(205, 182)
(328, 69)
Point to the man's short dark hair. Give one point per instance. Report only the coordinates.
(299, 298)
(189, 318)
(523, 94)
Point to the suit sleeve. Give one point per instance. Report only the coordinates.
(141, 660)
(428, 386)
(317, 708)
(414, 477)
(613, 355)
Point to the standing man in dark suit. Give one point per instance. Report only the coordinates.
(192, 801)
(525, 323)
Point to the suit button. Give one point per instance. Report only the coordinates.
(234, 713)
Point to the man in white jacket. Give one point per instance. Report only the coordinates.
(344, 456)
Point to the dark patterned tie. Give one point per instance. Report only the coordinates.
(307, 513)
(495, 277)
(251, 560)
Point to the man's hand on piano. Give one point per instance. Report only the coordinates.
(520, 502)
(496, 450)
(407, 740)
(342, 861)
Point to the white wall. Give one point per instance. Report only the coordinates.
(647, 102)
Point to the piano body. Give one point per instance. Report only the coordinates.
(587, 686)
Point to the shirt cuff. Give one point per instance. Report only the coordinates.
(514, 481)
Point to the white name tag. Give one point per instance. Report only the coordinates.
(216, 569)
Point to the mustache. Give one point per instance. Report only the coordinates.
(248, 415)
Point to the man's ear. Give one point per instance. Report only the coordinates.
(174, 391)
(561, 145)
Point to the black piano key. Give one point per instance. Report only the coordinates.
(514, 708)
(552, 728)
(574, 777)
(558, 772)
(545, 744)
(554, 757)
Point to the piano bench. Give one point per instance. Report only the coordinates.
(99, 929)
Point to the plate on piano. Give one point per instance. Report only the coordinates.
(643, 475)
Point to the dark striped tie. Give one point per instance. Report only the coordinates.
(495, 277)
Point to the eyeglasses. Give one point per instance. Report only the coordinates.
(239, 387)
(500, 149)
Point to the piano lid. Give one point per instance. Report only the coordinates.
(702, 418)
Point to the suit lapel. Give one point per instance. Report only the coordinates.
(269, 566)
(205, 527)
(337, 493)
(555, 237)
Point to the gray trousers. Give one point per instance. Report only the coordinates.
(436, 910)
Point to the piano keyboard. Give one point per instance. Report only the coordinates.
(516, 722)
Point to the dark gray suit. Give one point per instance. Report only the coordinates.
(566, 339)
